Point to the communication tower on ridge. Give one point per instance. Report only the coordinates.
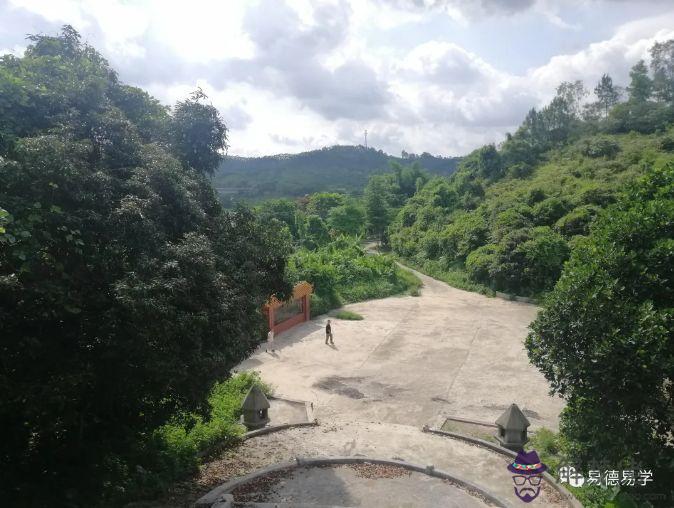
(365, 138)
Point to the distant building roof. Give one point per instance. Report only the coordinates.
(255, 400)
(513, 418)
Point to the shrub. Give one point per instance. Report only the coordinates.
(173, 450)
(519, 170)
(577, 221)
(468, 232)
(599, 147)
(548, 211)
(596, 196)
(667, 143)
(479, 263)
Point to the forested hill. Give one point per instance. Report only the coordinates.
(510, 216)
(335, 168)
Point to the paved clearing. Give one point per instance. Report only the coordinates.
(408, 363)
(447, 351)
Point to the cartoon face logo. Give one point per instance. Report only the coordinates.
(527, 475)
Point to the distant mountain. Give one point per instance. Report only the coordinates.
(335, 168)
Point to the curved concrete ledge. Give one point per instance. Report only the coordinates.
(573, 502)
(221, 494)
(467, 420)
(276, 428)
(311, 420)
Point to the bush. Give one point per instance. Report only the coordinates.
(480, 262)
(548, 211)
(577, 221)
(468, 232)
(666, 143)
(596, 196)
(599, 147)
(173, 450)
(519, 170)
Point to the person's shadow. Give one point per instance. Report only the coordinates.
(333, 347)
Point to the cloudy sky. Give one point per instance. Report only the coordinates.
(420, 75)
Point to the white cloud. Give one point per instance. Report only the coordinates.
(614, 56)
(300, 74)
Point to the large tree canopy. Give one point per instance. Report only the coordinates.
(125, 289)
(605, 340)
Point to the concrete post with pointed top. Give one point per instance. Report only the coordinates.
(255, 409)
(512, 428)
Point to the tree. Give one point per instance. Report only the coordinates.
(125, 289)
(406, 180)
(199, 135)
(348, 219)
(376, 209)
(605, 338)
(641, 85)
(572, 94)
(283, 210)
(315, 232)
(662, 65)
(321, 203)
(607, 94)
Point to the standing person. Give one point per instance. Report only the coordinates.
(270, 341)
(328, 333)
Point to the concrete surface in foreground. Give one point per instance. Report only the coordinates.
(412, 358)
(344, 486)
(481, 466)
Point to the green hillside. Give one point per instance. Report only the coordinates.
(576, 209)
(343, 169)
(509, 217)
(513, 233)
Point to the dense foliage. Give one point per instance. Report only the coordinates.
(125, 289)
(179, 443)
(343, 169)
(605, 340)
(510, 215)
(326, 229)
(342, 272)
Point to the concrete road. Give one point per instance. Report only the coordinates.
(413, 359)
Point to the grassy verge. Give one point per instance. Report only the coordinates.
(348, 315)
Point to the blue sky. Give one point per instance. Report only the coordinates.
(442, 76)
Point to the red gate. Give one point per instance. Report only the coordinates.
(282, 316)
